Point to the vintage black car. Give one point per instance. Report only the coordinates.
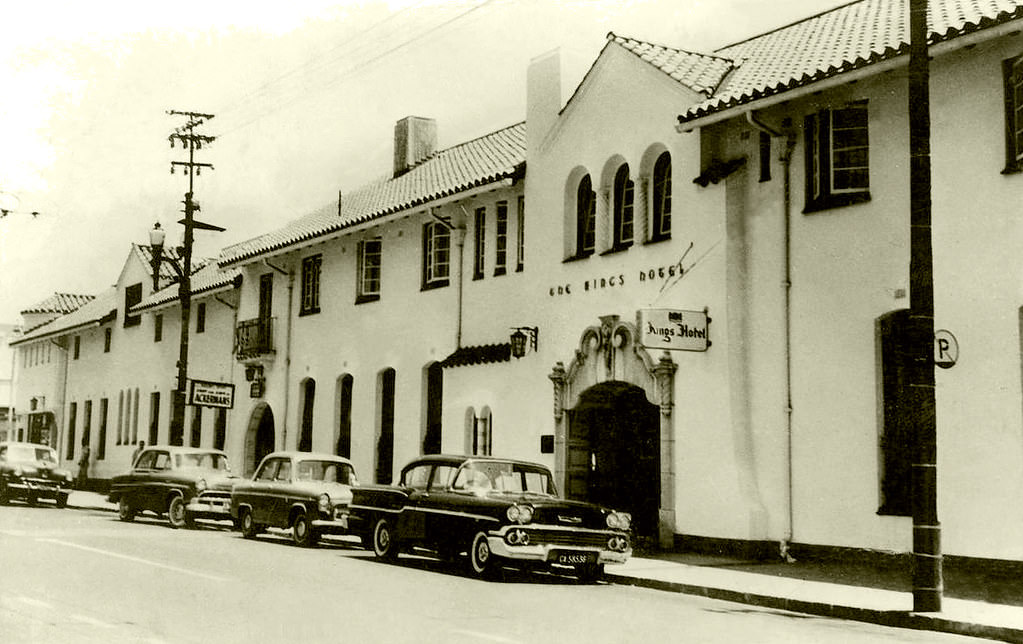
(308, 492)
(183, 483)
(30, 472)
(497, 511)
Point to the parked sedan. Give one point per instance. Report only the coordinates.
(183, 483)
(30, 472)
(307, 492)
(496, 511)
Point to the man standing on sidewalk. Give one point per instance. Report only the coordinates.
(138, 450)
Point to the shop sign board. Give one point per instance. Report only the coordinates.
(211, 394)
(674, 330)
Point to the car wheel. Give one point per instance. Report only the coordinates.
(247, 525)
(176, 511)
(590, 573)
(302, 531)
(124, 511)
(384, 546)
(31, 499)
(482, 561)
(62, 500)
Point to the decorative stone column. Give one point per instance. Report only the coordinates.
(559, 377)
(664, 376)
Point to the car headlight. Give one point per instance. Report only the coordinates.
(200, 485)
(324, 503)
(68, 477)
(520, 513)
(619, 520)
(18, 472)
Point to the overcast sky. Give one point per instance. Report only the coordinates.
(305, 94)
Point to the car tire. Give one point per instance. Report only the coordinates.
(124, 510)
(302, 532)
(176, 512)
(590, 573)
(61, 500)
(384, 545)
(247, 526)
(483, 563)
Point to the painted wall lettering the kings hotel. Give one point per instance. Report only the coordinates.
(619, 280)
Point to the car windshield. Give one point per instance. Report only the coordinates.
(202, 460)
(504, 478)
(21, 453)
(327, 471)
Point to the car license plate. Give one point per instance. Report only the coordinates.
(569, 558)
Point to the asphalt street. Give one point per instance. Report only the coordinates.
(84, 576)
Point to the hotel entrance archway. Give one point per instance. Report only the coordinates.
(260, 438)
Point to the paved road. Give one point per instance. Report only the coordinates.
(83, 576)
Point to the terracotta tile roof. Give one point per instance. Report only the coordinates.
(208, 277)
(95, 311)
(699, 72)
(488, 159)
(482, 354)
(60, 303)
(848, 37)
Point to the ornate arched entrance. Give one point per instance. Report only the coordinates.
(611, 399)
(260, 437)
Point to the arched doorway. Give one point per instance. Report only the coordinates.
(260, 438)
(613, 444)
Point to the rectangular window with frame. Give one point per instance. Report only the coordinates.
(311, 285)
(108, 335)
(837, 157)
(436, 255)
(78, 347)
(132, 296)
(200, 318)
(1012, 71)
(479, 247)
(158, 327)
(501, 238)
(520, 232)
(369, 270)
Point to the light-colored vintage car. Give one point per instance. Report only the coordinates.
(31, 472)
(497, 511)
(308, 492)
(183, 483)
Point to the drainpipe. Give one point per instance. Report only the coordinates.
(460, 232)
(287, 351)
(786, 160)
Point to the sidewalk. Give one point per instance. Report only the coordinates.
(829, 589)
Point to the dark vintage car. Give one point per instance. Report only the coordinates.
(309, 493)
(30, 472)
(497, 511)
(183, 483)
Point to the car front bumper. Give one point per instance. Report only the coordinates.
(546, 552)
(338, 522)
(37, 488)
(210, 507)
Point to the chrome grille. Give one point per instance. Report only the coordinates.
(568, 538)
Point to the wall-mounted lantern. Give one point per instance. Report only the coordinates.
(519, 337)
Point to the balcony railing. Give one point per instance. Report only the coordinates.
(254, 338)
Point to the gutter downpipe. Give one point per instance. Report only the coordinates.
(461, 232)
(287, 351)
(786, 160)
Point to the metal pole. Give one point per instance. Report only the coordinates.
(927, 561)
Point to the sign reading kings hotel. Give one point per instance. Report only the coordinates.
(211, 394)
(673, 329)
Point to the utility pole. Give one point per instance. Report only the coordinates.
(927, 562)
(191, 141)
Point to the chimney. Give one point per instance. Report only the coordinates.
(415, 138)
(543, 98)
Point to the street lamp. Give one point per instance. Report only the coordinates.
(519, 337)
(156, 237)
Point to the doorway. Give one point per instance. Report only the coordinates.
(260, 439)
(613, 452)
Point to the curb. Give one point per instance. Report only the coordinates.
(897, 619)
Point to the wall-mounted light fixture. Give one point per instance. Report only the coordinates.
(519, 337)
(254, 372)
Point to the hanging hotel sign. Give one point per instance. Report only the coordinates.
(673, 329)
(211, 394)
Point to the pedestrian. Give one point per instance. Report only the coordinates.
(83, 468)
(138, 450)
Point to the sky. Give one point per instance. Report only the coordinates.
(304, 94)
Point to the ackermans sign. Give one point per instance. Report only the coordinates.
(674, 330)
(211, 394)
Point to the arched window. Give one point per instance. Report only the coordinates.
(661, 193)
(305, 438)
(385, 440)
(624, 189)
(586, 218)
(344, 416)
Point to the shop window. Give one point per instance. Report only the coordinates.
(311, 285)
(622, 219)
(370, 259)
(501, 238)
(1012, 71)
(837, 157)
(480, 245)
(585, 218)
(436, 255)
(482, 433)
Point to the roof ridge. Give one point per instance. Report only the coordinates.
(613, 36)
(789, 25)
